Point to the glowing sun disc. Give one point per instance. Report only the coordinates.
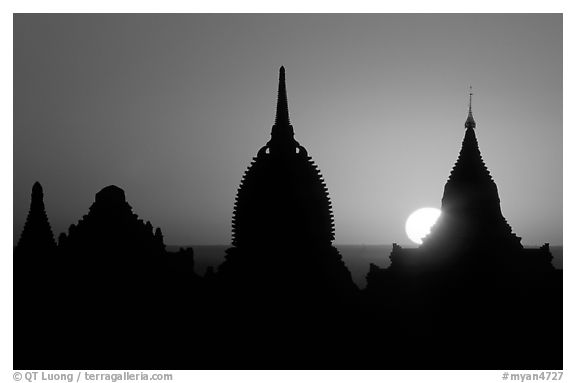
(419, 223)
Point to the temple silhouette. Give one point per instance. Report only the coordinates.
(110, 296)
(111, 228)
(472, 280)
(37, 234)
(471, 233)
(282, 225)
(109, 266)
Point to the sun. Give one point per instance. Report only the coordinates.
(419, 223)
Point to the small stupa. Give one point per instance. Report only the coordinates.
(36, 237)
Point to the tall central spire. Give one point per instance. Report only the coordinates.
(282, 117)
(282, 132)
(470, 123)
(283, 225)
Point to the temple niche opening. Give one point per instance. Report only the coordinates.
(283, 226)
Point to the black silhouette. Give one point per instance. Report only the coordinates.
(472, 277)
(36, 237)
(282, 197)
(471, 233)
(111, 228)
(33, 261)
(283, 225)
(109, 278)
(110, 296)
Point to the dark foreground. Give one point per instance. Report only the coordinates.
(83, 315)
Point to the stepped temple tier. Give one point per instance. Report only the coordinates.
(111, 227)
(471, 231)
(283, 226)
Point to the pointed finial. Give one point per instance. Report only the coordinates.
(37, 190)
(282, 140)
(470, 123)
(282, 117)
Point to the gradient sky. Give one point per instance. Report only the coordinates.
(172, 108)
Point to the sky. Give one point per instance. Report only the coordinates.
(172, 108)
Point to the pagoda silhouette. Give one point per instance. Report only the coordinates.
(112, 240)
(111, 260)
(471, 297)
(471, 232)
(111, 228)
(34, 257)
(36, 237)
(283, 226)
(470, 287)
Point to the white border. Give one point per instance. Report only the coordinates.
(228, 6)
